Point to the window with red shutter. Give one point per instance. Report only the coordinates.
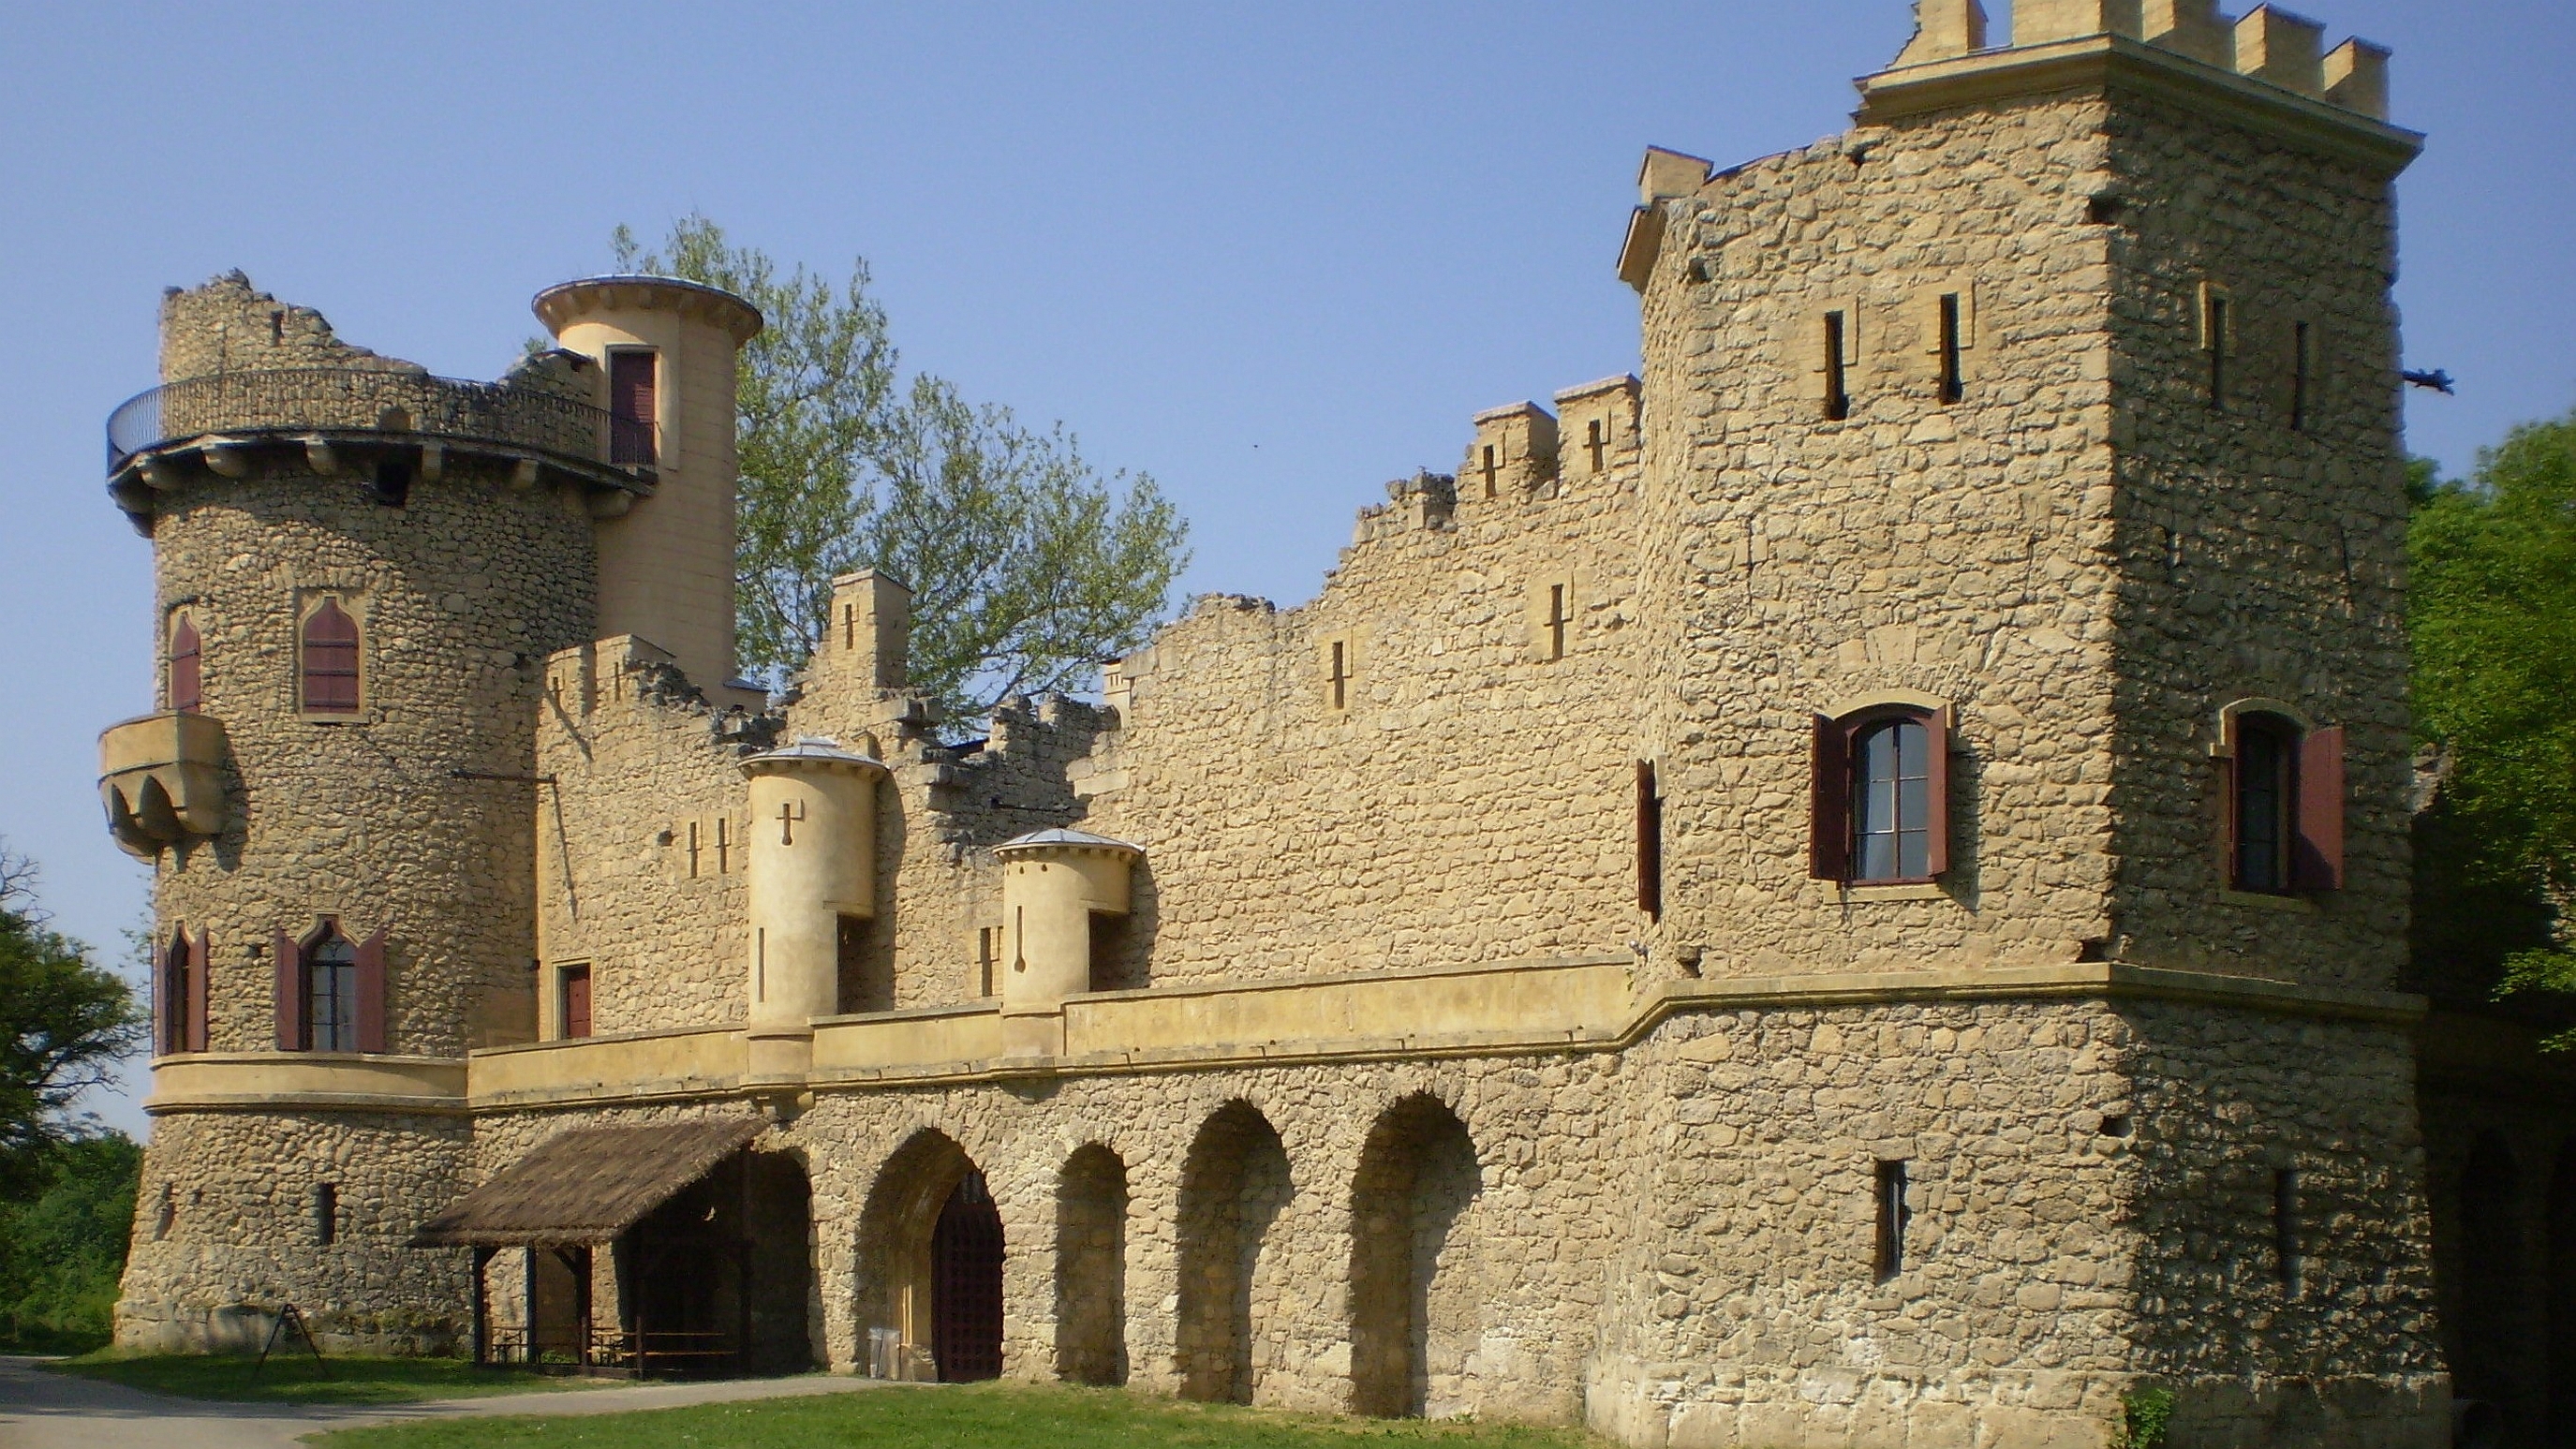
(289, 994)
(187, 675)
(2316, 851)
(633, 404)
(1829, 811)
(329, 660)
(170, 995)
(1880, 784)
(200, 961)
(367, 1030)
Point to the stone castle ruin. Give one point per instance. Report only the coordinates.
(1849, 888)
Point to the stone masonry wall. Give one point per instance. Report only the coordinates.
(1794, 562)
(226, 1231)
(2256, 559)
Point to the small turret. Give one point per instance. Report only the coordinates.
(666, 350)
(813, 878)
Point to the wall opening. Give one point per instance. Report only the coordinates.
(1837, 379)
(1953, 386)
(1412, 1326)
(1234, 1184)
(929, 1279)
(1594, 442)
(326, 1213)
(1650, 842)
(1895, 1214)
(1091, 1268)
(2302, 365)
(2215, 323)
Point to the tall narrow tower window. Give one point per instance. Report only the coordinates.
(1837, 379)
(1341, 677)
(1595, 442)
(1489, 470)
(330, 660)
(1650, 842)
(2285, 1229)
(2215, 323)
(187, 676)
(633, 399)
(1895, 1214)
(1953, 387)
(2266, 790)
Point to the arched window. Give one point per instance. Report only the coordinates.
(187, 676)
(331, 991)
(1881, 790)
(329, 660)
(2284, 806)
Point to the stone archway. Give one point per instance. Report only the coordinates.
(929, 1290)
(1234, 1184)
(1091, 1267)
(1409, 1322)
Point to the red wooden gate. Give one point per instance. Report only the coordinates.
(966, 1285)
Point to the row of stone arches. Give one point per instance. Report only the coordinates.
(932, 1250)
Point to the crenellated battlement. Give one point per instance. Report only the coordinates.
(2267, 44)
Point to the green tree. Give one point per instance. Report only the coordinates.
(2493, 619)
(64, 1023)
(62, 1254)
(1027, 565)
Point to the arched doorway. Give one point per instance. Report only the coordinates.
(1091, 1268)
(2491, 1275)
(1233, 1185)
(966, 1284)
(930, 1266)
(1417, 1175)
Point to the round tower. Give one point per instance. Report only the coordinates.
(665, 354)
(360, 569)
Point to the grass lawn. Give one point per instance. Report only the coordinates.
(978, 1416)
(295, 1379)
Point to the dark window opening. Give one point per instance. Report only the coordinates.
(1650, 842)
(1341, 677)
(2300, 363)
(187, 667)
(2217, 322)
(1892, 802)
(985, 943)
(1489, 470)
(576, 1001)
(1894, 1215)
(1108, 951)
(330, 660)
(633, 402)
(2285, 1227)
(1953, 388)
(326, 1213)
(276, 329)
(1837, 380)
(849, 626)
(2103, 210)
(391, 485)
(331, 992)
(1556, 621)
(1595, 442)
(172, 1016)
(2266, 792)
(850, 962)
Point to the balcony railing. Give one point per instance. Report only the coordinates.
(350, 399)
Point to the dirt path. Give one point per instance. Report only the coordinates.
(41, 1410)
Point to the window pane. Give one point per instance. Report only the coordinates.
(1891, 800)
(1909, 749)
(1914, 855)
(1877, 858)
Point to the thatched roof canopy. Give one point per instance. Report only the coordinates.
(587, 1185)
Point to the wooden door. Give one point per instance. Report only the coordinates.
(966, 1285)
(576, 1001)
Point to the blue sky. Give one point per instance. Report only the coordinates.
(1272, 256)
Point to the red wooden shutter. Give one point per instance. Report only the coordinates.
(371, 992)
(330, 660)
(201, 953)
(171, 957)
(2316, 854)
(187, 675)
(1829, 790)
(1650, 843)
(2227, 804)
(291, 1035)
(1936, 771)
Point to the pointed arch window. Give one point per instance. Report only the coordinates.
(330, 991)
(179, 994)
(187, 673)
(328, 659)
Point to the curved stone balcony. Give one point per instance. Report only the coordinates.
(352, 419)
(161, 779)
